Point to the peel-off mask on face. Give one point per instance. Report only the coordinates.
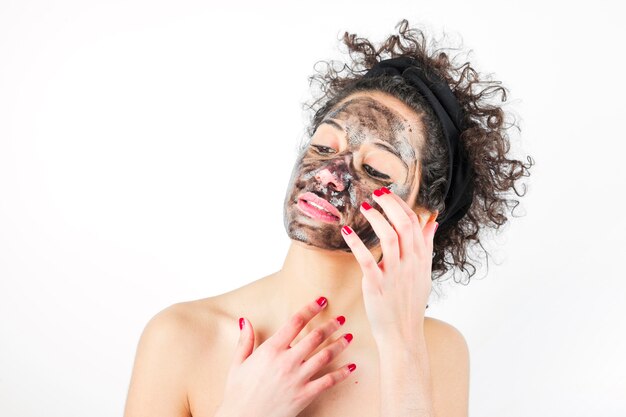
(340, 168)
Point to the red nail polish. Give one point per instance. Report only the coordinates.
(386, 190)
(322, 301)
(348, 337)
(341, 320)
(241, 323)
(378, 193)
(346, 230)
(366, 206)
(352, 367)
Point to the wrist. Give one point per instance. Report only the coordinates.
(396, 343)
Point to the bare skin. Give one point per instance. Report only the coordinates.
(448, 363)
(197, 338)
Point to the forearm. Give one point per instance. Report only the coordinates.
(406, 388)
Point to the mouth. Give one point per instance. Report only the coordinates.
(318, 208)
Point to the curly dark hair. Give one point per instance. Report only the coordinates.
(484, 139)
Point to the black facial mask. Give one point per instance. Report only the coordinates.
(335, 179)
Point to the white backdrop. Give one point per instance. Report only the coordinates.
(146, 146)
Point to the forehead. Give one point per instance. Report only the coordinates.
(368, 116)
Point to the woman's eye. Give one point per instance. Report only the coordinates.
(323, 149)
(375, 173)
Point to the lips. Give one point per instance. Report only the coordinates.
(309, 197)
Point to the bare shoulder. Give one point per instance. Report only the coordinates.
(447, 347)
(166, 352)
(194, 326)
(184, 319)
(445, 336)
(449, 362)
(178, 324)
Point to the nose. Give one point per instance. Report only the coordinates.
(325, 177)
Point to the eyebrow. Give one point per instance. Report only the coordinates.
(381, 145)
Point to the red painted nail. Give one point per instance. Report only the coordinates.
(241, 323)
(322, 301)
(366, 206)
(378, 193)
(341, 320)
(352, 367)
(386, 190)
(346, 230)
(348, 337)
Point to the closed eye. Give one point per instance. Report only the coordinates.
(323, 149)
(375, 173)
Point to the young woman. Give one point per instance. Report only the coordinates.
(395, 150)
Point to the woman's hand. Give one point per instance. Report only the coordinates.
(395, 290)
(275, 379)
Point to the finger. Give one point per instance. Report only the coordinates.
(312, 340)
(387, 236)
(418, 232)
(432, 229)
(400, 220)
(325, 356)
(285, 335)
(364, 257)
(246, 342)
(321, 384)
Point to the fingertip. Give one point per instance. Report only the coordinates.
(322, 301)
(245, 327)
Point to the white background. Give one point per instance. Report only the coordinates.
(146, 146)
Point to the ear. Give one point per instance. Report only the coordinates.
(425, 216)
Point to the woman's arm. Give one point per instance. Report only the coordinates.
(158, 381)
(426, 378)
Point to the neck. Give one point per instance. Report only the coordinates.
(309, 272)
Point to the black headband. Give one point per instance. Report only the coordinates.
(459, 187)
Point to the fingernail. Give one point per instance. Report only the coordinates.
(352, 367)
(386, 190)
(346, 230)
(241, 323)
(322, 301)
(348, 337)
(366, 206)
(378, 193)
(341, 320)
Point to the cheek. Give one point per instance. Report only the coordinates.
(408, 191)
(403, 190)
(301, 171)
(361, 188)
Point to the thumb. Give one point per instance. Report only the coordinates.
(246, 341)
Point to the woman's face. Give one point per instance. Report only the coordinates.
(367, 141)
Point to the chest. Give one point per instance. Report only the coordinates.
(354, 401)
(358, 395)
